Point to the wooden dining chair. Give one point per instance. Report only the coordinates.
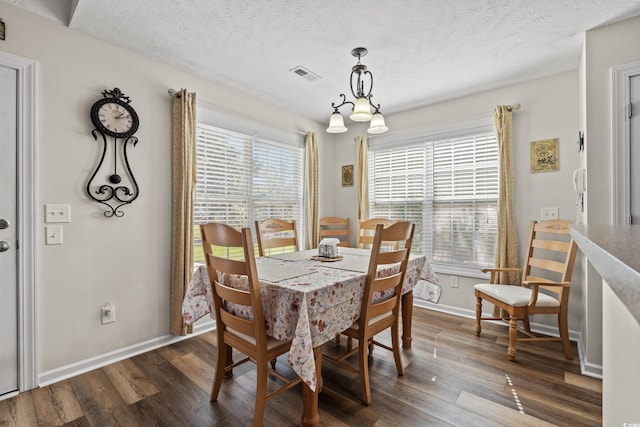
(233, 331)
(274, 233)
(366, 231)
(544, 289)
(380, 308)
(336, 227)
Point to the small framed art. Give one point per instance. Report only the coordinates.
(347, 176)
(1, 29)
(544, 155)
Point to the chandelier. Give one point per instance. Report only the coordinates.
(361, 83)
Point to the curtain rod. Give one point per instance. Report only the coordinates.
(512, 107)
(173, 92)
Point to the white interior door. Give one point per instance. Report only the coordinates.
(8, 233)
(634, 142)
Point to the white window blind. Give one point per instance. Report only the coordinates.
(448, 187)
(241, 178)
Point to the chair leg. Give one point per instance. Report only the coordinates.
(478, 315)
(273, 363)
(364, 371)
(513, 333)
(261, 394)
(563, 328)
(218, 376)
(395, 344)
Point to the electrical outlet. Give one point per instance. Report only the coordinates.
(453, 281)
(108, 313)
(548, 213)
(57, 213)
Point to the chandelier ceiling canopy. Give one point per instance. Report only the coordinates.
(361, 82)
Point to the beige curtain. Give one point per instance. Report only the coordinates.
(184, 179)
(507, 247)
(362, 145)
(311, 190)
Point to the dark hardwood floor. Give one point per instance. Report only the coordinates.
(451, 378)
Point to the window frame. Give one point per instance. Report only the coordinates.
(259, 134)
(421, 135)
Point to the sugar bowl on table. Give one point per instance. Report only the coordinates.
(328, 248)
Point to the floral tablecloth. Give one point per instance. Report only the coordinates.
(310, 309)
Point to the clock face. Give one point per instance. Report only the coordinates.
(114, 117)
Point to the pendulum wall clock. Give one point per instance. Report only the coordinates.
(112, 182)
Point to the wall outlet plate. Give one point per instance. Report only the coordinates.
(108, 312)
(57, 213)
(548, 213)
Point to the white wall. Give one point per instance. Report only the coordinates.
(125, 260)
(605, 48)
(549, 110)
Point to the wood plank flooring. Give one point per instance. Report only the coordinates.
(451, 378)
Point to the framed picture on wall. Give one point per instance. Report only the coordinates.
(347, 176)
(544, 155)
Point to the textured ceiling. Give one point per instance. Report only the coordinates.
(420, 51)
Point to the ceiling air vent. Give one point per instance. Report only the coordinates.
(305, 73)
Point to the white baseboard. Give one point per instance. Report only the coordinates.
(586, 368)
(68, 371)
(77, 368)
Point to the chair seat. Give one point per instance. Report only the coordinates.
(356, 325)
(271, 342)
(516, 296)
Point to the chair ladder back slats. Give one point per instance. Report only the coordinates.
(274, 232)
(233, 295)
(382, 307)
(335, 227)
(551, 245)
(557, 226)
(547, 264)
(238, 324)
(278, 242)
(390, 259)
(384, 283)
(367, 228)
(331, 233)
(229, 266)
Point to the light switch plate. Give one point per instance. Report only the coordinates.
(57, 213)
(54, 234)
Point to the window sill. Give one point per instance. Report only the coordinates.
(455, 270)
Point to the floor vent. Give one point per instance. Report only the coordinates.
(305, 73)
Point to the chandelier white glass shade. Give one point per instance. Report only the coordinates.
(361, 83)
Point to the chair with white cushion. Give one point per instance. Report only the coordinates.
(546, 280)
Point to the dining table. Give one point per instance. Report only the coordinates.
(310, 300)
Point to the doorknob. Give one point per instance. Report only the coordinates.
(4, 224)
(4, 246)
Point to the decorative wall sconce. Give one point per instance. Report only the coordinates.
(114, 116)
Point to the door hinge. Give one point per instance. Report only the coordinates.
(630, 109)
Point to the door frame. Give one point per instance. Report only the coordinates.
(621, 142)
(27, 213)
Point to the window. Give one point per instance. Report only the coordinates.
(241, 178)
(448, 186)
